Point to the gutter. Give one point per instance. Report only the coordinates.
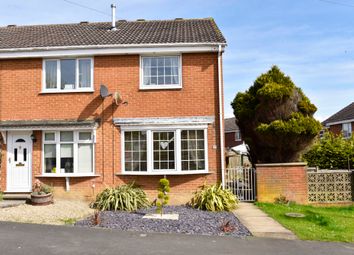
(97, 50)
(339, 122)
(221, 118)
(111, 46)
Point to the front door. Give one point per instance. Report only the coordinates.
(19, 156)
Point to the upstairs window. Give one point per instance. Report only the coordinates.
(238, 135)
(68, 75)
(347, 130)
(161, 72)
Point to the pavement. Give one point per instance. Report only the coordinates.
(260, 224)
(31, 239)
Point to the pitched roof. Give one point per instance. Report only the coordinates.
(347, 113)
(230, 124)
(100, 33)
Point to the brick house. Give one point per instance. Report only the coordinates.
(164, 116)
(341, 122)
(232, 133)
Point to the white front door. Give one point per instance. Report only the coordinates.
(19, 167)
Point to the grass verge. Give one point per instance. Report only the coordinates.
(320, 223)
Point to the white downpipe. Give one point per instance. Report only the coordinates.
(221, 120)
(67, 184)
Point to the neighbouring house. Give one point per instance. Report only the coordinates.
(233, 140)
(341, 122)
(158, 114)
(232, 133)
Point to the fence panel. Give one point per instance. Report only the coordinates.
(242, 182)
(330, 186)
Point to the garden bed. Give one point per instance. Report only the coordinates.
(191, 221)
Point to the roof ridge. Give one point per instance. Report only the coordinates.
(109, 22)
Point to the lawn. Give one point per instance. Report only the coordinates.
(319, 223)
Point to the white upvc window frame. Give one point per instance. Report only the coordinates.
(75, 143)
(160, 87)
(347, 130)
(238, 136)
(178, 151)
(58, 88)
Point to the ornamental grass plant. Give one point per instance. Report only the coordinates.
(214, 198)
(126, 197)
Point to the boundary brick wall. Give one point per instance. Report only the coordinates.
(287, 179)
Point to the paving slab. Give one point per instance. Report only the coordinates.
(11, 203)
(260, 224)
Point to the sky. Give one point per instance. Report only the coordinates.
(312, 41)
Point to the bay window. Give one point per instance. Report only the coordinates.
(68, 75)
(68, 152)
(164, 150)
(135, 151)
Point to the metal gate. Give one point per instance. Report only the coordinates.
(242, 182)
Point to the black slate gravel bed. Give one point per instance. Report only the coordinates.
(191, 221)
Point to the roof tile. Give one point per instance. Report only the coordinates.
(131, 32)
(347, 113)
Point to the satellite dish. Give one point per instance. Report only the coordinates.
(104, 91)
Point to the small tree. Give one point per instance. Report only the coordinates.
(331, 152)
(162, 197)
(275, 118)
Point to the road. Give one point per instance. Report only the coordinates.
(31, 239)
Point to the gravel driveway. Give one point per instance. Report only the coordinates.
(58, 213)
(191, 221)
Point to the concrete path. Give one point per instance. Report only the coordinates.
(11, 203)
(260, 224)
(31, 239)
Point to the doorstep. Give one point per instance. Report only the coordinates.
(16, 195)
(260, 224)
(11, 203)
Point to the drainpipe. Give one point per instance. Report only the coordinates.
(221, 119)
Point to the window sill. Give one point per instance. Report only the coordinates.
(160, 87)
(67, 175)
(66, 91)
(164, 173)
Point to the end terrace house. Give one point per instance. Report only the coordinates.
(90, 105)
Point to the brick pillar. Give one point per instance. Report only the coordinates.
(287, 179)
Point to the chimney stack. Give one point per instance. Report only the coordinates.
(113, 7)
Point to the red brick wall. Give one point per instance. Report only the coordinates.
(199, 97)
(230, 140)
(289, 180)
(337, 129)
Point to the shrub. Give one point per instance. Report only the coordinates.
(162, 197)
(41, 188)
(214, 198)
(1, 196)
(126, 197)
(331, 152)
(282, 200)
(275, 118)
